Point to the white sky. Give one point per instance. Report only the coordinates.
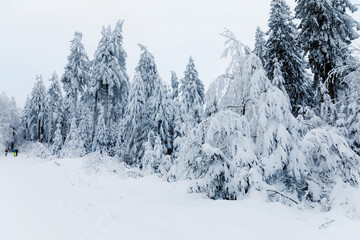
(35, 35)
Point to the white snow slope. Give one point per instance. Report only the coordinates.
(80, 199)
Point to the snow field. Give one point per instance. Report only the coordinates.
(81, 199)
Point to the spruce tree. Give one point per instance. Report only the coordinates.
(326, 31)
(148, 70)
(37, 111)
(174, 85)
(76, 76)
(135, 123)
(192, 90)
(282, 45)
(260, 42)
(54, 101)
(58, 141)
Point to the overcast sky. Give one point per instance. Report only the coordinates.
(35, 35)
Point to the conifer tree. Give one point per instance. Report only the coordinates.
(174, 85)
(101, 142)
(192, 92)
(58, 141)
(282, 45)
(54, 101)
(135, 125)
(37, 111)
(260, 43)
(326, 31)
(147, 70)
(76, 76)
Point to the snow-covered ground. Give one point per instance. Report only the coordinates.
(81, 199)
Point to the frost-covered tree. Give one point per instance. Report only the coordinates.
(260, 45)
(326, 31)
(147, 70)
(282, 45)
(109, 82)
(101, 142)
(9, 121)
(135, 124)
(54, 102)
(211, 107)
(193, 94)
(174, 85)
(37, 111)
(265, 147)
(162, 106)
(120, 96)
(57, 141)
(74, 143)
(76, 76)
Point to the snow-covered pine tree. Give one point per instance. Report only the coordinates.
(54, 101)
(147, 70)
(74, 144)
(260, 44)
(174, 85)
(163, 115)
(109, 78)
(85, 124)
(233, 153)
(193, 95)
(77, 74)
(282, 45)
(57, 141)
(24, 131)
(101, 142)
(121, 92)
(326, 31)
(135, 124)
(9, 121)
(37, 111)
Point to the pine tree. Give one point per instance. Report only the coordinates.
(58, 141)
(76, 76)
(74, 143)
(120, 96)
(163, 115)
(101, 142)
(109, 78)
(192, 92)
(174, 85)
(260, 42)
(135, 125)
(148, 71)
(54, 101)
(37, 111)
(326, 31)
(282, 45)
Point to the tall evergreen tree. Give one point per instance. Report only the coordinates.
(54, 101)
(135, 125)
(76, 76)
(163, 115)
(121, 92)
(58, 141)
(109, 78)
(148, 70)
(193, 96)
(37, 111)
(174, 85)
(260, 42)
(282, 45)
(326, 31)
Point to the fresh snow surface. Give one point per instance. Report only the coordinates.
(80, 198)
